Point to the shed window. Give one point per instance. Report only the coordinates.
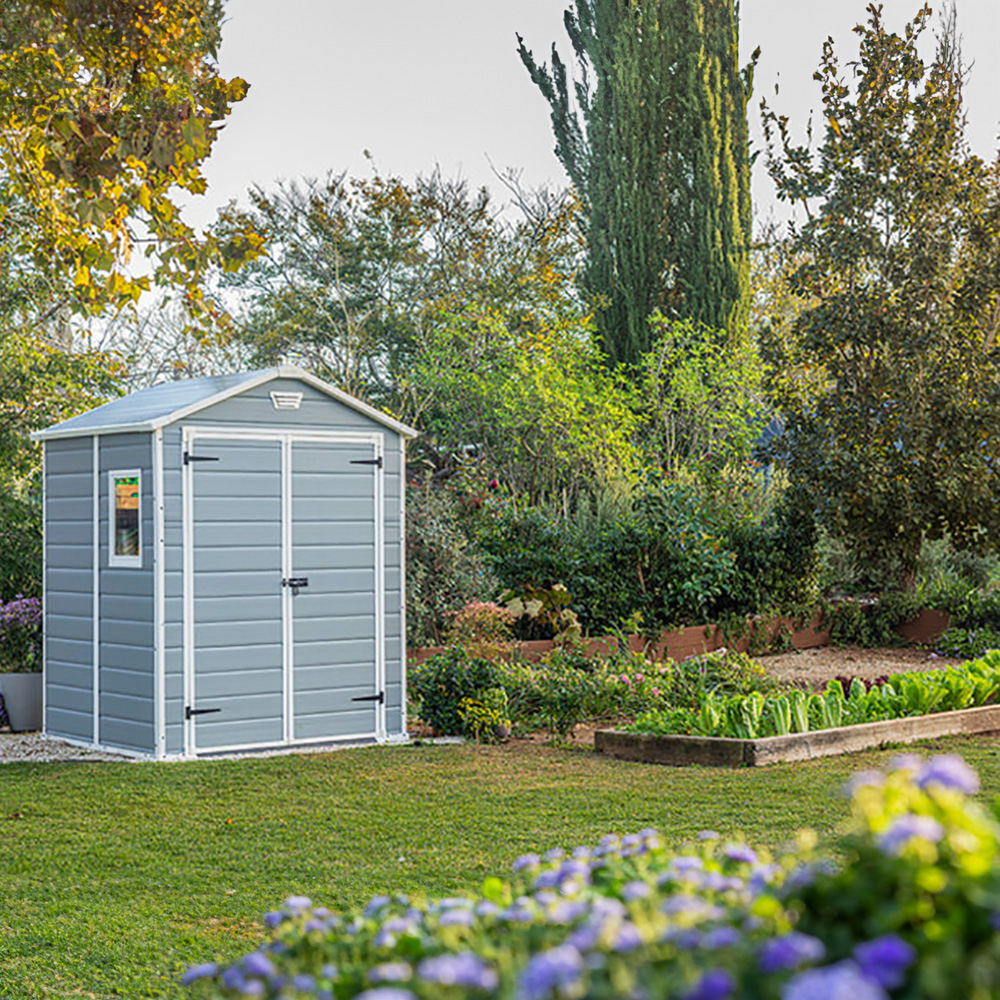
(126, 518)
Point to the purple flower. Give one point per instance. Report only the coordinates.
(886, 959)
(457, 918)
(740, 852)
(298, 902)
(865, 779)
(517, 914)
(687, 863)
(254, 988)
(257, 964)
(196, 972)
(375, 904)
(905, 828)
(273, 918)
(485, 908)
(304, 983)
(233, 978)
(684, 938)
(708, 835)
(635, 890)
(716, 984)
(546, 879)
(791, 951)
(329, 971)
(390, 972)
(721, 937)
(949, 771)
(465, 969)
(565, 912)
(843, 981)
(527, 861)
(907, 762)
(386, 993)
(556, 968)
(627, 937)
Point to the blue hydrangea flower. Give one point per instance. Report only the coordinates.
(740, 852)
(204, 971)
(527, 861)
(233, 978)
(257, 964)
(390, 972)
(485, 908)
(565, 912)
(298, 902)
(716, 984)
(635, 890)
(843, 981)
(273, 918)
(708, 835)
(885, 959)
(865, 779)
(375, 904)
(949, 771)
(557, 968)
(464, 969)
(721, 937)
(304, 983)
(905, 828)
(457, 918)
(627, 937)
(386, 993)
(791, 951)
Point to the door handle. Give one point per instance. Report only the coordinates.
(295, 582)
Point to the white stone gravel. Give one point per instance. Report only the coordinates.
(19, 747)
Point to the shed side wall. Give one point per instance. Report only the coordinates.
(69, 564)
(127, 682)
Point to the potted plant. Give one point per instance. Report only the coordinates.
(21, 662)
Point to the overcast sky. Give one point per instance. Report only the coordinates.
(440, 82)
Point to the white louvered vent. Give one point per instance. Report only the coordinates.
(286, 400)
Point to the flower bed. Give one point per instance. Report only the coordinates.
(910, 910)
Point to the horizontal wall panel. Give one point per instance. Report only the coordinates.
(253, 657)
(335, 630)
(127, 734)
(58, 533)
(234, 586)
(126, 708)
(70, 723)
(212, 733)
(116, 656)
(133, 683)
(219, 688)
(342, 725)
(68, 627)
(322, 679)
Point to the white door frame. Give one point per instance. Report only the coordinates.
(189, 434)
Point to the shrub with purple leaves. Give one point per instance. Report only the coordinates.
(21, 635)
(910, 910)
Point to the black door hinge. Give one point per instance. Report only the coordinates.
(367, 461)
(189, 458)
(295, 582)
(380, 697)
(189, 711)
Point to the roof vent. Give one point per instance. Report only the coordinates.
(286, 400)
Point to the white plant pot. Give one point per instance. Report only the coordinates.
(22, 700)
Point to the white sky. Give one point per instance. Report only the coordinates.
(440, 82)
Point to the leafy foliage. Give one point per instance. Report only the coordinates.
(888, 381)
(106, 109)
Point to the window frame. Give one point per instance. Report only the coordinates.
(116, 561)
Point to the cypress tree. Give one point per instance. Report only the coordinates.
(653, 135)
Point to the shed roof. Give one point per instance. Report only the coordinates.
(159, 405)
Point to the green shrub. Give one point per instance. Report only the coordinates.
(439, 685)
(444, 572)
(871, 623)
(968, 643)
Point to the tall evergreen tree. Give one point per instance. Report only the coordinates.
(653, 134)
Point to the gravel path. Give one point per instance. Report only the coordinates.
(36, 747)
(814, 667)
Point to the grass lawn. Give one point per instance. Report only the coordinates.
(114, 877)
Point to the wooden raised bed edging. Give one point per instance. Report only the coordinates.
(679, 644)
(720, 751)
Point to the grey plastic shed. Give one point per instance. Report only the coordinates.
(224, 568)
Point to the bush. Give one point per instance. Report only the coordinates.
(968, 643)
(21, 634)
(443, 681)
(443, 571)
(909, 906)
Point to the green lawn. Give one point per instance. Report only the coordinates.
(113, 877)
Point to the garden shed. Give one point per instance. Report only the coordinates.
(224, 568)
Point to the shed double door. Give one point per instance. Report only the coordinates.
(283, 577)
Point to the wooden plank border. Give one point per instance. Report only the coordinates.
(722, 752)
